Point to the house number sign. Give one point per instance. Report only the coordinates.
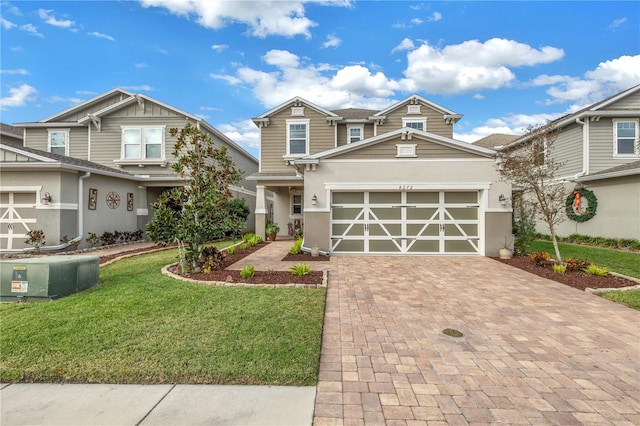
(401, 187)
(113, 200)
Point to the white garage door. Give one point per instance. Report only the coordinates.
(430, 222)
(17, 217)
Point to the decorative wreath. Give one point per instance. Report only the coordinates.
(575, 211)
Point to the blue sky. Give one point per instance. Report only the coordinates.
(504, 65)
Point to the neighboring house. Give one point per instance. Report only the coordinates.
(379, 182)
(496, 140)
(97, 167)
(598, 147)
(10, 135)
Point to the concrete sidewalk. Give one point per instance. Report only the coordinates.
(70, 404)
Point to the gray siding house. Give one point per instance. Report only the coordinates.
(379, 182)
(599, 149)
(96, 167)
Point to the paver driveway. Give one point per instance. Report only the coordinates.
(533, 352)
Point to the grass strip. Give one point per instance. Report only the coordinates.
(138, 326)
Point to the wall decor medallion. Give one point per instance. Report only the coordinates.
(581, 205)
(93, 198)
(113, 200)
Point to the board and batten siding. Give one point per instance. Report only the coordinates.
(568, 150)
(388, 150)
(435, 121)
(74, 116)
(273, 138)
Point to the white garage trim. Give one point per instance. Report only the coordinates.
(17, 217)
(406, 186)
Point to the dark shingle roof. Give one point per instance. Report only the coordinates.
(355, 113)
(622, 168)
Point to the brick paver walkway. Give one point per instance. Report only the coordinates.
(533, 352)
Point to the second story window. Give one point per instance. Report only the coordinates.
(142, 142)
(59, 141)
(625, 135)
(297, 137)
(418, 124)
(355, 134)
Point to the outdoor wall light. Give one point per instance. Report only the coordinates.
(502, 199)
(46, 198)
(314, 200)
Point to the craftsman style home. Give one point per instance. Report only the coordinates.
(98, 167)
(386, 181)
(599, 149)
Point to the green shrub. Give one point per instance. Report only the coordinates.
(559, 268)
(246, 237)
(300, 270)
(93, 239)
(36, 239)
(247, 272)
(255, 240)
(297, 247)
(540, 258)
(232, 249)
(596, 270)
(244, 246)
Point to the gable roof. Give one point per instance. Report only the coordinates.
(628, 169)
(415, 99)
(129, 98)
(297, 101)
(593, 110)
(48, 159)
(355, 113)
(407, 133)
(495, 140)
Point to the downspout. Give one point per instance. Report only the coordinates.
(585, 149)
(80, 220)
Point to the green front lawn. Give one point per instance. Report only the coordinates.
(138, 326)
(622, 262)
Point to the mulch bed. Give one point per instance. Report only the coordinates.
(305, 257)
(575, 279)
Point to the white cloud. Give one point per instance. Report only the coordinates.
(281, 59)
(141, 88)
(417, 21)
(471, 65)
(358, 80)
(435, 16)
(244, 133)
(406, 44)
(621, 73)
(515, 124)
(140, 65)
(86, 92)
(47, 17)
(219, 47)
(31, 29)
(263, 18)
(7, 25)
(101, 35)
(18, 96)
(19, 71)
(616, 23)
(332, 41)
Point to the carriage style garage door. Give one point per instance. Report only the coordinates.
(17, 217)
(433, 222)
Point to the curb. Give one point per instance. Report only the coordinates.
(615, 274)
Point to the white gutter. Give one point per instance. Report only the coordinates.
(585, 147)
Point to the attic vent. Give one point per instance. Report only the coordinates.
(406, 150)
(413, 109)
(297, 111)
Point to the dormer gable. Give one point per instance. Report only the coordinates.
(297, 107)
(413, 106)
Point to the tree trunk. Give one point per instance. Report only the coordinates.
(554, 240)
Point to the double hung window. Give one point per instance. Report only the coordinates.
(355, 133)
(59, 141)
(142, 143)
(418, 124)
(625, 134)
(297, 137)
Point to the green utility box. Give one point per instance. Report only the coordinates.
(48, 277)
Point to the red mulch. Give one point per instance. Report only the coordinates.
(260, 277)
(305, 257)
(575, 279)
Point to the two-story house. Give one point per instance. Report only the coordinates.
(98, 167)
(599, 149)
(379, 181)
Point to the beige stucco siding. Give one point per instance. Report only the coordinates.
(567, 149)
(435, 121)
(618, 212)
(273, 140)
(388, 149)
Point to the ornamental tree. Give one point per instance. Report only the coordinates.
(531, 168)
(198, 212)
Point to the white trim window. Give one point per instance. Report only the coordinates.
(415, 123)
(297, 137)
(296, 204)
(140, 143)
(58, 141)
(625, 138)
(355, 133)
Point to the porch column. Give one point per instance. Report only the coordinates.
(261, 210)
(142, 210)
